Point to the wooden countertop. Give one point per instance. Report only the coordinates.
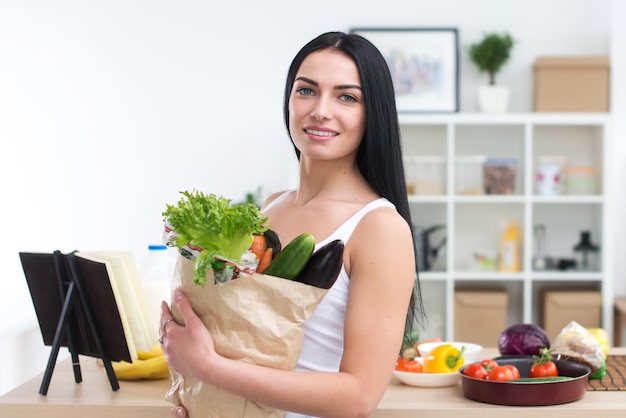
(95, 399)
(91, 398)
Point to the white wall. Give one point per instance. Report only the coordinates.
(109, 109)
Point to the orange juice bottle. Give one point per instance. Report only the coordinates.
(509, 260)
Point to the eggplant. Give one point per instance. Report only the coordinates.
(273, 242)
(323, 266)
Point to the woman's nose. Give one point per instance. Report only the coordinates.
(321, 110)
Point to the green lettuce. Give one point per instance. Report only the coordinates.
(214, 224)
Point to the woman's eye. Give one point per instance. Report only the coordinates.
(348, 98)
(305, 91)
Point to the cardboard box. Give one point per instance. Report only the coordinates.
(561, 307)
(572, 84)
(480, 316)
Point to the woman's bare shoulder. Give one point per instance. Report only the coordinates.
(384, 220)
(272, 197)
(382, 231)
(382, 226)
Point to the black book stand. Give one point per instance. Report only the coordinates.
(75, 308)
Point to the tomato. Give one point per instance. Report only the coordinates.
(543, 370)
(401, 363)
(489, 364)
(543, 365)
(514, 371)
(475, 370)
(500, 374)
(408, 365)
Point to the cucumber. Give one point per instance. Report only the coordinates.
(324, 266)
(540, 379)
(292, 259)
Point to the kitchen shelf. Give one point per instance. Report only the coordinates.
(473, 221)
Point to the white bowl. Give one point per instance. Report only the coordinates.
(470, 355)
(427, 379)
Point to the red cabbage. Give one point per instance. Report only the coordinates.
(523, 339)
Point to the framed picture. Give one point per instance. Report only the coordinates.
(424, 66)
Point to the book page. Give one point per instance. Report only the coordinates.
(129, 295)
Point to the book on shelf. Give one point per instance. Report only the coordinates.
(112, 291)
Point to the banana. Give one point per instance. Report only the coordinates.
(155, 351)
(151, 368)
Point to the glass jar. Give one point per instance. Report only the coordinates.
(579, 180)
(499, 175)
(468, 177)
(425, 174)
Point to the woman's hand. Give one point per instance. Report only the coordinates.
(183, 344)
(188, 347)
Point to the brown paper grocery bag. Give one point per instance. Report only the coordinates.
(255, 319)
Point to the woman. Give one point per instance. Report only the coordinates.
(340, 113)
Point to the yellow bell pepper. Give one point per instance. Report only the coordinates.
(445, 358)
(602, 337)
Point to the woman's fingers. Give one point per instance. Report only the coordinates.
(185, 309)
(165, 310)
(166, 317)
(179, 412)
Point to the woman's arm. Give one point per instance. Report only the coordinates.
(382, 268)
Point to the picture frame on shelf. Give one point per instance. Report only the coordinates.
(424, 66)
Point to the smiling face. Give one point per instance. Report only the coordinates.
(326, 108)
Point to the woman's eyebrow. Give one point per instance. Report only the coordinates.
(347, 86)
(339, 87)
(308, 80)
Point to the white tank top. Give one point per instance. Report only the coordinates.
(322, 347)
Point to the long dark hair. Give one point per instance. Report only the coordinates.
(379, 156)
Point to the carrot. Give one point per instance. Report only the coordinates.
(265, 260)
(259, 245)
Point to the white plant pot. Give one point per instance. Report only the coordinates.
(493, 99)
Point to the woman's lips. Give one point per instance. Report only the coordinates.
(320, 134)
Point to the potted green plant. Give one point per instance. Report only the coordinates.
(489, 55)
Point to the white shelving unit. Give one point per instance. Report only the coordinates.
(473, 222)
